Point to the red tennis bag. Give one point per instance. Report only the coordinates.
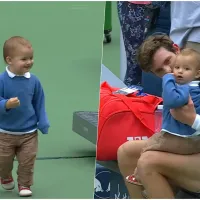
(123, 118)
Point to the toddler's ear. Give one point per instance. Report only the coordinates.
(198, 74)
(8, 60)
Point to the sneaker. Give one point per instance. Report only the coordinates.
(24, 191)
(8, 183)
(131, 179)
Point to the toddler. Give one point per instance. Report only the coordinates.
(176, 137)
(22, 113)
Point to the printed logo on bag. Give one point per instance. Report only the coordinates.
(102, 185)
(137, 138)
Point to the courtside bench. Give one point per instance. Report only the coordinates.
(85, 124)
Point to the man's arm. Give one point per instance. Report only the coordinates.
(174, 96)
(39, 106)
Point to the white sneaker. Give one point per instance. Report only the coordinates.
(24, 191)
(8, 183)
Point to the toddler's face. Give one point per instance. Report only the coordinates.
(22, 60)
(186, 69)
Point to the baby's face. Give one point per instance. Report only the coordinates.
(186, 69)
(22, 60)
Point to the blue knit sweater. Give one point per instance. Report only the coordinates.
(31, 113)
(175, 96)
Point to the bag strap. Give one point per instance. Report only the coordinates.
(129, 102)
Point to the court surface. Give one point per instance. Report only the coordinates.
(67, 39)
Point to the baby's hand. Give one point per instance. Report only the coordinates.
(12, 103)
(165, 73)
(169, 73)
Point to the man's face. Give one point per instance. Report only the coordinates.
(163, 62)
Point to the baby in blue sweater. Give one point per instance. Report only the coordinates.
(178, 87)
(22, 113)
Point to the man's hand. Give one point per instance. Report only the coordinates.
(185, 114)
(12, 103)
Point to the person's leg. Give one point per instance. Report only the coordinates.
(165, 142)
(7, 154)
(131, 17)
(154, 167)
(157, 142)
(162, 142)
(128, 155)
(155, 184)
(26, 155)
(170, 143)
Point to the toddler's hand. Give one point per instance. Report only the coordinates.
(169, 73)
(12, 103)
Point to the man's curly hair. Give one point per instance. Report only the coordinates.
(149, 47)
